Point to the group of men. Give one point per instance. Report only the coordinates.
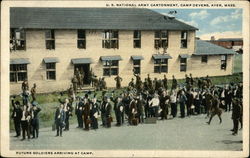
(144, 100)
(25, 114)
(152, 98)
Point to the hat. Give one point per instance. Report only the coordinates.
(17, 102)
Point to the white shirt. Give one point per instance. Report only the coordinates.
(23, 116)
(173, 98)
(154, 102)
(223, 94)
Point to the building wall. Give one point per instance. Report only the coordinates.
(66, 49)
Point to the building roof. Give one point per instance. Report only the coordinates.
(184, 56)
(19, 61)
(81, 61)
(93, 18)
(51, 60)
(230, 39)
(161, 56)
(207, 48)
(137, 57)
(114, 57)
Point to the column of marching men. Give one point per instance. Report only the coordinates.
(133, 105)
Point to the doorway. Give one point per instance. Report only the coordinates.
(84, 70)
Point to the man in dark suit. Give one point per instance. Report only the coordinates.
(118, 80)
(86, 112)
(164, 98)
(68, 111)
(16, 116)
(25, 119)
(174, 83)
(59, 119)
(236, 115)
(228, 99)
(108, 108)
(35, 119)
(79, 112)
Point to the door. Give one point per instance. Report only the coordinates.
(84, 70)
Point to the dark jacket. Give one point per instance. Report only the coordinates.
(60, 119)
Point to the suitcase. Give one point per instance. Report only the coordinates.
(110, 119)
(150, 120)
(135, 121)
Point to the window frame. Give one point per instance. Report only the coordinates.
(137, 66)
(223, 61)
(49, 70)
(18, 70)
(81, 39)
(183, 64)
(204, 58)
(13, 39)
(184, 39)
(50, 41)
(137, 38)
(158, 41)
(161, 65)
(109, 65)
(108, 41)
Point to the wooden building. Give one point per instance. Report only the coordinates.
(48, 44)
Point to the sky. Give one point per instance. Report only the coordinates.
(220, 23)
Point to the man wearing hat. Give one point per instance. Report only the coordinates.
(94, 113)
(35, 119)
(68, 112)
(131, 84)
(86, 112)
(140, 108)
(118, 80)
(236, 115)
(119, 110)
(25, 119)
(174, 83)
(154, 105)
(165, 82)
(164, 99)
(215, 110)
(79, 112)
(60, 119)
(33, 92)
(16, 115)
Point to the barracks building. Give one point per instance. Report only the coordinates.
(48, 44)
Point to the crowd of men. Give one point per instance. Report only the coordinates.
(139, 102)
(25, 114)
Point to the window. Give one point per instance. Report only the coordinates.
(17, 39)
(183, 39)
(137, 39)
(50, 39)
(161, 39)
(51, 71)
(137, 66)
(223, 62)
(81, 39)
(183, 64)
(110, 39)
(18, 72)
(204, 59)
(110, 67)
(160, 65)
